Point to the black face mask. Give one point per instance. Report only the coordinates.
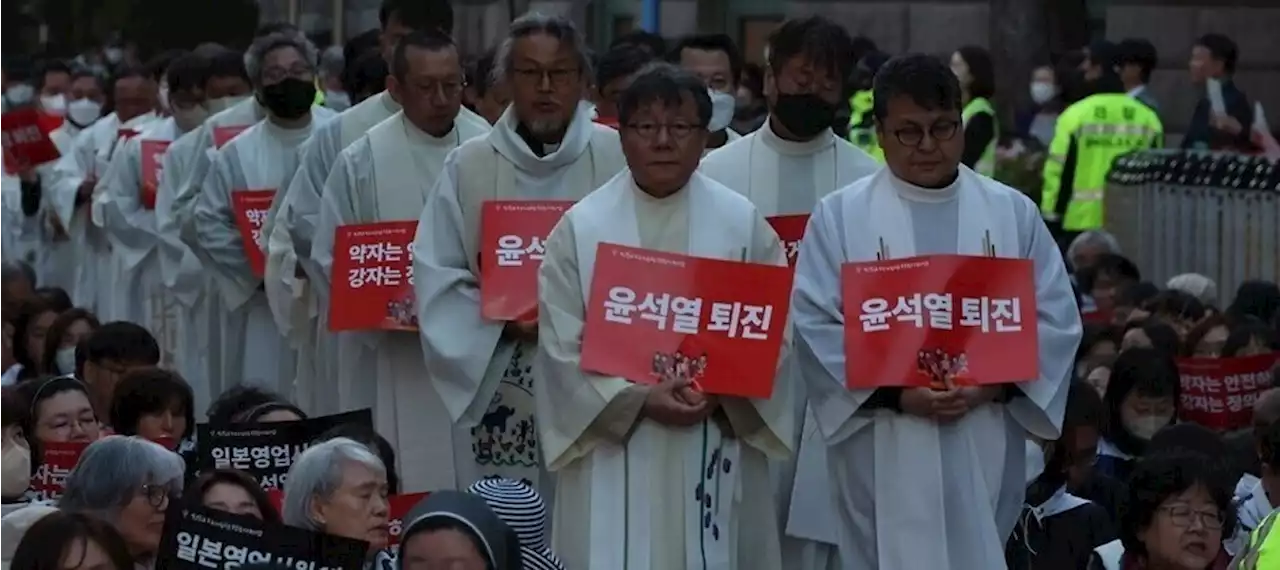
(288, 99)
(804, 114)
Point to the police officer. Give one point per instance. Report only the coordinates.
(862, 128)
(1090, 135)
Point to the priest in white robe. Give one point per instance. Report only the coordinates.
(925, 478)
(716, 60)
(784, 168)
(282, 69)
(630, 459)
(386, 176)
(545, 147)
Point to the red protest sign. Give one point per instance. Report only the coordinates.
(26, 142)
(372, 277)
(790, 230)
(223, 135)
(1219, 393)
(250, 208)
(58, 460)
(939, 321)
(513, 234)
(152, 163)
(652, 315)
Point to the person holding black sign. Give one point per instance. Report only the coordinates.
(339, 487)
(247, 404)
(235, 492)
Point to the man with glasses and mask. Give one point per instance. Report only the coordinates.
(544, 147)
(716, 60)
(385, 177)
(912, 464)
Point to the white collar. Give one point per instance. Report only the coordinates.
(783, 146)
(511, 146)
(1137, 90)
(1060, 502)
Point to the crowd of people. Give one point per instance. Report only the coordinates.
(227, 245)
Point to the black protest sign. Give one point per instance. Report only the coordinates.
(266, 450)
(196, 538)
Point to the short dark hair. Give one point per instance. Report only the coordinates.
(621, 61)
(1084, 410)
(1145, 371)
(862, 46)
(1136, 293)
(53, 338)
(1139, 52)
(711, 42)
(29, 310)
(430, 40)
(57, 298)
(1244, 332)
(44, 68)
(481, 73)
(130, 71)
(227, 63)
(1113, 264)
(366, 435)
(665, 83)
(926, 80)
(121, 341)
(653, 43)
(1103, 54)
(240, 479)
(1095, 334)
(419, 15)
(159, 64)
(819, 40)
(1172, 303)
(368, 74)
(242, 400)
(91, 74)
(147, 391)
(188, 72)
(47, 543)
(1221, 48)
(981, 71)
(1158, 477)
(1164, 338)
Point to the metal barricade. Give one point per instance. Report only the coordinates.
(1171, 227)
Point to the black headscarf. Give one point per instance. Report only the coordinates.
(471, 515)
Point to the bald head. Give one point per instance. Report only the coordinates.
(1266, 410)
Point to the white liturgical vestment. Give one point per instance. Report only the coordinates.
(900, 477)
(56, 255)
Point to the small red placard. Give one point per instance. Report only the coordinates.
(26, 142)
(790, 230)
(51, 476)
(513, 235)
(152, 163)
(250, 208)
(223, 135)
(372, 277)
(1219, 393)
(939, 321)
(654, 315)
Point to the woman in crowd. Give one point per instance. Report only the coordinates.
(750, 109)
(30, 325)
(372, 440)
(13, 527)
(235, 492)
(61, 540)
(56, 297)
(1258, 299)
(1207, 338)
(17, 466)
(339, 487)
(1046, 98)
(60, 411)
(64, 335)
(1178, 309)
(1141, 398)
(128, 482)
(1174, 517)
(1250, 337)
(972, 66)
(155, 404)
(1151, 333)
(1102, 282)
(456, 529)
(248, 404)
(1098, 347)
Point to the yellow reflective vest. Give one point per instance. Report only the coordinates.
(862, 125)
(1263, 550)
(986, 164)
(1089, 136)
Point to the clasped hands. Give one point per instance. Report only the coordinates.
(948, 405)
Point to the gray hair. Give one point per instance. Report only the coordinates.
(112, 470)
(1098, 238)
(273, 41)
(532, 23)
(1196, 285)
(317, 473)
(332, 61)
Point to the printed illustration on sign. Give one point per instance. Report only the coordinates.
(251, 208)
(939, 321)
(372, 277)
(513, 235)
(790, 229)
(152, 165)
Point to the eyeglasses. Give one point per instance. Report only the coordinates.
(276, 74)
(1182, 515)
(649, 130)
(559, 77)
(939, 131)
(449, 88)
(157, 495)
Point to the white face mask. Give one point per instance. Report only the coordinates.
(220, 104)
(54, 104)
(83, 112)
(1042, 92)
(66, 360)
(19, 94)
(722, 106)
(15, 469)
(188, 119)
(1145, 427)
(337, 100)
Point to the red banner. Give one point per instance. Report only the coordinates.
(250, 208)
(152, 163)
(653, 315)
(939, 321)
(1219, 393)
(26, 142)
(223, 135)
(51, 476)
(513, 234)
(398, 508)
(372, 277)
(790, 230)
(611, 122)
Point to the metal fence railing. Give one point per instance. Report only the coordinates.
(1216, 214)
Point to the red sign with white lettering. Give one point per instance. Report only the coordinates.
(223, 135)
(26, 142)
(372, 277)
(513, 234)
(790, 230)
(939, 321)
(58, 460)
(152, 163)
(250, 208)
(655, 315)
(1219, 393)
